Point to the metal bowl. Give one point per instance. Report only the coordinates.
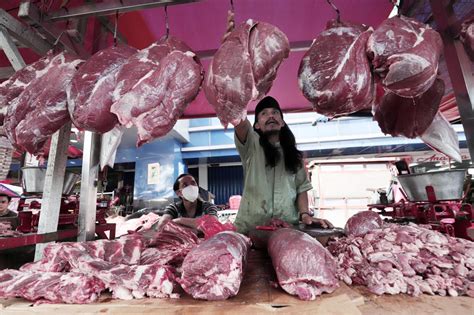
(33, 180)
(447, 185)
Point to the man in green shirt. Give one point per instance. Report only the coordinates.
(275, 180)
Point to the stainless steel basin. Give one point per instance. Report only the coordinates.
(33, 180)
(447, 185)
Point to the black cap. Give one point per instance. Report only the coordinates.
(267, 102)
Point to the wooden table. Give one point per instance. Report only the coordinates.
(258, 296)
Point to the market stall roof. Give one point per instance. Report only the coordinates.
(201, 24)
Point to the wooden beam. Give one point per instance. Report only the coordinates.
(110, 7)
(53, 185)
(10, 49)
(31, 14)
(24, 34)
(88, 199)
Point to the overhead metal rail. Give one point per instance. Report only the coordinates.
(109, 8)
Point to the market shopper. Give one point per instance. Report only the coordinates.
(275, 180)
(7, 215)
(189, 207)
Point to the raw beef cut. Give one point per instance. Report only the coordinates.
(125, 250)
(363, 222)
(303, 266)
(11, 88)
(40, 110)
(408, 117)
(156, 93)
(467, 36)
(210, 226)
(146, 60)
(214, 269)
(405, 53)
(90, 93)
(407, 259)
(53, 287)
(334, 74)
(243, 69)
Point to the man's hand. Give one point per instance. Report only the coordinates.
(309, 220)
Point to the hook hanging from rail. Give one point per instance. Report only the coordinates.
(167, 25)
(335, 9)
(396, 4)
(115, 27)
(232, 5)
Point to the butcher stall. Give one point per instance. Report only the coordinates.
(105, 66)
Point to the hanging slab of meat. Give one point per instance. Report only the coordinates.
(156, 103)
(408, 117)
(160, 95)
(405, 53)
(363, 222)
(243, 69)
(52, 287)
(90, 91)
(334, 74)
(40, 110)
(141, 63)
(406, 259)
(303, 266)
(214, 269)
(12, 88)
(467, 36)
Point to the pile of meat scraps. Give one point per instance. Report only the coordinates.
(130, 267)
(407, 259)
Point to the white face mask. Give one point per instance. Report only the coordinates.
(190, 193)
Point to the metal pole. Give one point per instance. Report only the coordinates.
(53, 185)
(88, 198)
(461, 70)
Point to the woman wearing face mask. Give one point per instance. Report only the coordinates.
(189, 207)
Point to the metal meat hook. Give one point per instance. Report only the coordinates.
(335, 9)
(167, 25)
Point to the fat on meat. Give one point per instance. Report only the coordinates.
(155, 94)
(90, 91)
(303, 266)
(244, 68)
(41, 109)
(214, 269)
(405, 54)
(50, 287)
(334, 74)
(12, 88)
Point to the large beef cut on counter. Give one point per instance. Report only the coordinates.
(90, 91)
(40, 110)
(303, 266)
(405, 53)
(334, 74)
(214, 269)
(243, 69)
(155, 86)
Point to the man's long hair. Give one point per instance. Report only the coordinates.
(293, 157)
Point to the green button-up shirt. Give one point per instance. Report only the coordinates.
(269, 192)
